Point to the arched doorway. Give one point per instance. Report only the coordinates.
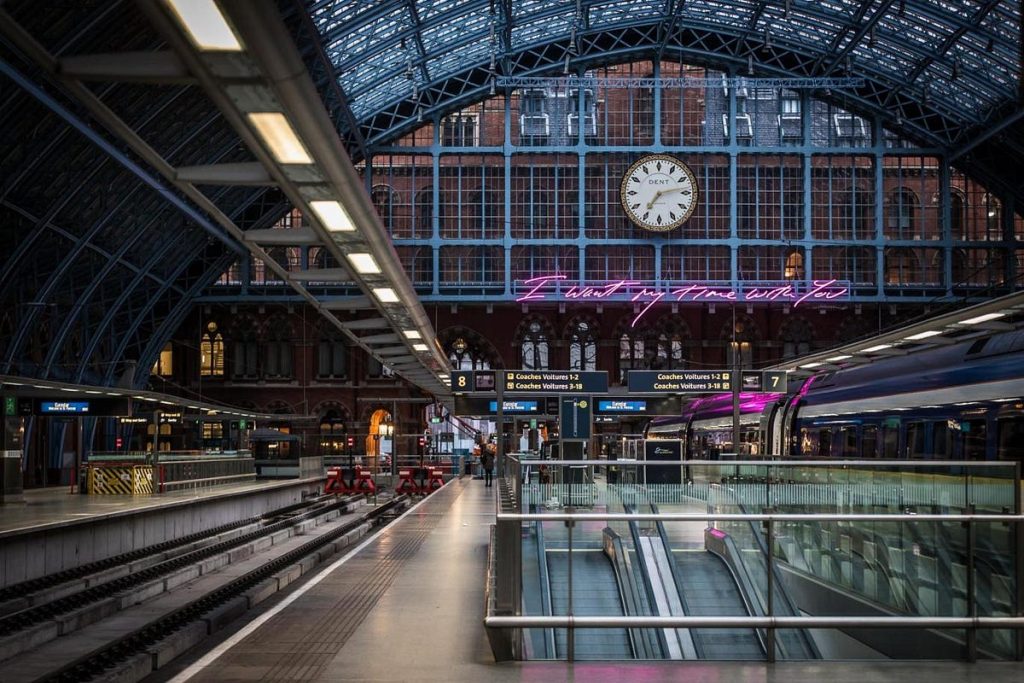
(378, 440)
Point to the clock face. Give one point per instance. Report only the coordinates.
(659, 192)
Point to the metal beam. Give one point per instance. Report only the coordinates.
(367, 324)
(276, 236)
(140, 67)
(322, 275)
(989, 132)
(243, 173)
(355, 303)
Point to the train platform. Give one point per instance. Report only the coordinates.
(57, 507)
(55, 531)
(408, 605)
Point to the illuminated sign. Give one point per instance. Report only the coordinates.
(515, 406)
(63, 407)
(621, 406)
(679, 381)
(556, 381)
(551, 288)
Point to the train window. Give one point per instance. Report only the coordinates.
(914, 446)
(824, 448)
(942, 441)
(974, 439)
(869, 442)
(1011, 438)
(845, 445)
(891, 443)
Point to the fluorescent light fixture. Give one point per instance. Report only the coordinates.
(333, 216)
(14, 384)
(841, 356)
(279, 137)
(923, 335)
(364, 263)
(167, 403)
(1005, 400)
(420, 347)
(878, 347)
(205, 24)
(73, 391)
(412, 334)
(139, 398)
(982, 318)
(40, 386)
(966, 403)
(385, 295)
(808, 366)
(93, 392)
(113, 393)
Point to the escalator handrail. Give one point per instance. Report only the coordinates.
(634, 530)
(677, 580)
(780, 589)
(545, 589)
(643, 646)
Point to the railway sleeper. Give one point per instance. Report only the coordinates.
(136, 654)
(73, 620)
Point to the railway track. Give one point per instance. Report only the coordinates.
(127, 599)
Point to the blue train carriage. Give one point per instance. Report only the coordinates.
(960, 402)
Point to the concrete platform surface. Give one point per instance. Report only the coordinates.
(56, 507)
(409, 607)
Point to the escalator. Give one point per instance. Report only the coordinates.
(596, 592)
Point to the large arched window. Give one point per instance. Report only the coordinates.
(633, 352)
(332, 357)
(534, 348)
(464, 356)
(794, 268)
(670, 351)
(424, 225)
(582, 346)
(740, 340)
(277, 350)
(957, 224)
(993, 218)
(245, 352)
(211, 352)
(384, 200)
(796, 335)
(901, 214)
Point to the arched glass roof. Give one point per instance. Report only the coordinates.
(941, 70)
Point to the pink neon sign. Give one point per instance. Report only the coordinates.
(549, 288)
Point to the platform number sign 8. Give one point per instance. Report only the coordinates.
(462, 380)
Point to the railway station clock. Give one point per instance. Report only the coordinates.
(658, 192)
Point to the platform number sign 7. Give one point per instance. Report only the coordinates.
(774, 381)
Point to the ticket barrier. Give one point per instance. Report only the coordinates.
(360, 482)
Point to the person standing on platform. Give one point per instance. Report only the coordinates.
(487, 463)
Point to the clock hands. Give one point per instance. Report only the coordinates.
(657, 195)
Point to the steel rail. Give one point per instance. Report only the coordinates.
(106, 656)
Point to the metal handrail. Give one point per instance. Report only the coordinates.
(789, 462)
(566, 621)
(750, 517)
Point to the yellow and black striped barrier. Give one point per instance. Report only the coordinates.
(120, 480)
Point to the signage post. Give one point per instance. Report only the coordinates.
(500, 396)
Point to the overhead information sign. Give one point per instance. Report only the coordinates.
(515, 407)
(63, 407)
(102, 407)
(481, 406)
(622, 406)
(556, 381)
(680, 381)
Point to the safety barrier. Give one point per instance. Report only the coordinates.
(124, 480)
(179, 474)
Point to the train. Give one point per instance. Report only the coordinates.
(960, 401)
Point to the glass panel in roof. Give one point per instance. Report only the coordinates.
(459, 28)
(366, 36)
(623, 11)
(527, 9)
(528, 34)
